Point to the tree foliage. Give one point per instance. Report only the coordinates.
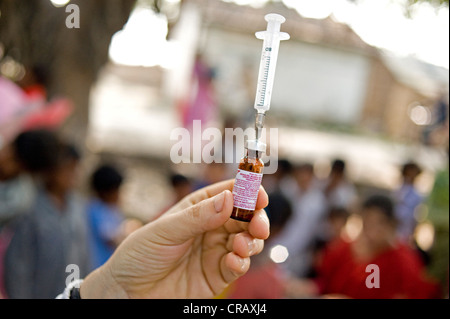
(409, 5)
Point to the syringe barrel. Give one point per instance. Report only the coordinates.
(269, 55)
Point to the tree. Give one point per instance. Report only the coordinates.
(34, 33)
(409, 5)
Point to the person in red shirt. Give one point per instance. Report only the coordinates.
(265, 278)
(375, 265)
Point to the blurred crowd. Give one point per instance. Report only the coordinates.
(312, 252)
(313, 249)
(46, 225)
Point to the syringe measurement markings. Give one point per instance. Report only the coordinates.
(266, 75)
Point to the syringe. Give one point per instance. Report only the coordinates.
(269, 55)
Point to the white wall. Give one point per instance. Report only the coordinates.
(312, 81)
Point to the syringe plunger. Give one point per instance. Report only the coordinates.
(274, 22)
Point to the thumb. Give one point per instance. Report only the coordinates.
(195, 220)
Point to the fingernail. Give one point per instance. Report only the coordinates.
(242, 264)
(251, 247)
(218, 202)
(265, 219)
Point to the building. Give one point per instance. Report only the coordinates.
(325, 73)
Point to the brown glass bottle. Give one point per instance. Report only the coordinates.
(247, 182)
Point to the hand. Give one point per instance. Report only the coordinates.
(193, 251)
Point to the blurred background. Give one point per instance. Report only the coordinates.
(362, 81)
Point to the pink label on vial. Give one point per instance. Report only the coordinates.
(245, 190)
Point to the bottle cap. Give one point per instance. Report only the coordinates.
(255, 145)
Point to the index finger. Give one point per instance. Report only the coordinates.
(258, 227)
(213, 190)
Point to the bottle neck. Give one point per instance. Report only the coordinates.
(254, 154)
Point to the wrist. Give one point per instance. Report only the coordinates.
(72, 290)
(100, 284)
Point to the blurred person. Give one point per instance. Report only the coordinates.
(51, 236)
(36, 149)
(16, 186)
(305, 225)
(282, 180)
(16, 197)
(436, 133)
(343, 270)
(181, 187)
(201, 104)
(195, 250)
(14, 105)
(212, 173)
(21, 162)
(107, 225)
(407, 199)
(337, 189)
(336, 220)
(287, 183)
(265, 279)
(27, 110)
(29, 154)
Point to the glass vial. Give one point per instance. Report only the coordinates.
(247, 182)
